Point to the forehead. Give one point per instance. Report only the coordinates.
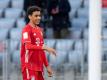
(36, 13)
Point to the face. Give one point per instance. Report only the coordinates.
(35, 17)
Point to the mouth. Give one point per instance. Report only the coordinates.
(37, 21)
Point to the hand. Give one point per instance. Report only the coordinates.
(50, 71)
(50, 50)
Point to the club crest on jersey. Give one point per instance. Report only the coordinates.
(34, 34)
(25, 35)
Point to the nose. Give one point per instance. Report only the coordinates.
(39, 17)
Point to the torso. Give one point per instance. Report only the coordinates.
(35, 56)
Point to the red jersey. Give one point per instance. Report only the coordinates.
(32, 55)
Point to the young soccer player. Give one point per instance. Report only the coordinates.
(32, 48)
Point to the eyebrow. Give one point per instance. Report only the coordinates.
(37, 15)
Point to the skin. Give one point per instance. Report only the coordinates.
(35, 18)
(34, 21)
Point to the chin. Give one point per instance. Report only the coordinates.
(37, 24)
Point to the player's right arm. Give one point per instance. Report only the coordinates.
(26, 40)
(50, 50)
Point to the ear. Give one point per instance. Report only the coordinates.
(29, 16)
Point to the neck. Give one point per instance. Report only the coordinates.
(32, 24)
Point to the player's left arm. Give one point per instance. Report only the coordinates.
(46, 48)
(48, 67)
(45, 60)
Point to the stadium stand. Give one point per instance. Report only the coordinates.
(17, 4)
(79, 23)
(52, 41)
(4, 4)
(16, 57)
(75, 4)
(59, 59)
(15, 33)
(1, 12)
(74, 57)
(15, 46)
(7, 23)
(83, 13)
(13, 13)
(86, 3)
(3, 34)
(85, 34)
(76, 33)
(20, 23)
(64, 45)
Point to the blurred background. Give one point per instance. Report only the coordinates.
(66, 31)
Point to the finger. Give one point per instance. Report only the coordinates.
(50, 76)
(55, 53)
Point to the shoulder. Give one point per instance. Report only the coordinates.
(26, 28)
(41, 29)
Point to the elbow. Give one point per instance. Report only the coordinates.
(27, 46)
(30, 46)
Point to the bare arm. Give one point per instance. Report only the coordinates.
(50, 50)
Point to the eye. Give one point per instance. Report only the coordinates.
(37, 15)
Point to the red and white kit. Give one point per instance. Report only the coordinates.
(32, 55)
